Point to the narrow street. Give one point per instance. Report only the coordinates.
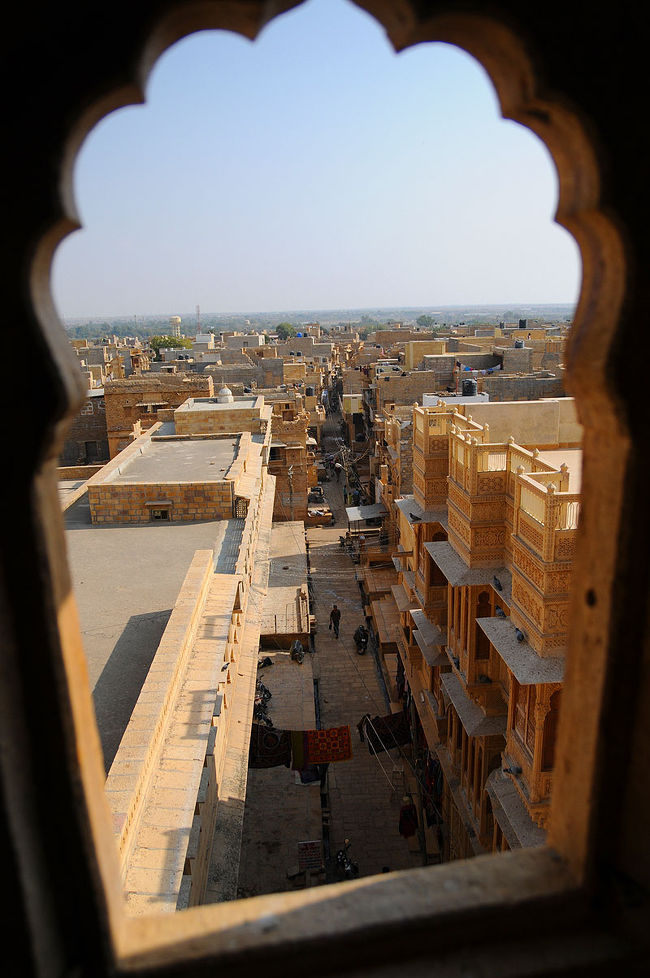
(335, 686)
(364, 800)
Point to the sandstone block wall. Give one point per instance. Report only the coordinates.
(78, 471)
(225, 421)
(551, 421)
(125, 400)
(410, 388)
(517, 361)
(415, 350)
(505, 387)
(250, 375)
(86, 440)
(185, 501)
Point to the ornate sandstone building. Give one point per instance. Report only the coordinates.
(480, 621)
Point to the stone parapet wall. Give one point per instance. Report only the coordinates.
(78, 471)
(239, 464)
(129, 503)
(135, 447)
(445, 362)
(136, 759)
(192, 717)
(218, 422)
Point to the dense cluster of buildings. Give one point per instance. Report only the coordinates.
(466, 509)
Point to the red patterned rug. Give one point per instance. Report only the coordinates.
(320, 746)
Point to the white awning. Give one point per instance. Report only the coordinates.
(357, 513)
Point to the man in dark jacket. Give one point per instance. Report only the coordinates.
(335, 619)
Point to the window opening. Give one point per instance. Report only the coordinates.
(158, 515)
(530, 696)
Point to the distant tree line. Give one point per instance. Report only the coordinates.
(285, 330)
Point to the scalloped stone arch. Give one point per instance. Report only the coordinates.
(523, 98)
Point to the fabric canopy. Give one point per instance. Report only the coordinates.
(357, 513)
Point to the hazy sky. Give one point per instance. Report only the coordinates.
(314, 169)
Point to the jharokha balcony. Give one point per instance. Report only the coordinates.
(513, 515)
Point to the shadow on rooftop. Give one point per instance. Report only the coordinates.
(117, 689)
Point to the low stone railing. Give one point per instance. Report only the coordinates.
(78, 471)
(545, 518)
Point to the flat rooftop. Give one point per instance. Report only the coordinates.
(282, 613)
(126, 580)
(185, 460)
(573, 459)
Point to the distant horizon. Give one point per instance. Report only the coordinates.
(190, 316)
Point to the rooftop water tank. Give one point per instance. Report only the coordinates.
(470, 388)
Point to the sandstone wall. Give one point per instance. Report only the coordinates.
(129, 503)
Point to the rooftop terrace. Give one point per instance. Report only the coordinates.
(179, 461)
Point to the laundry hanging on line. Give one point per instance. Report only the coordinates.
(269, 747)
(320, 746)
(298, 749)
(384, 733)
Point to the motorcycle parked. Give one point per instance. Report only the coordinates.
(346, 869)
(361, 637)
(260, 704)
(297, 652)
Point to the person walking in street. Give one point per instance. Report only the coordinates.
(335, 620)
(338, 468)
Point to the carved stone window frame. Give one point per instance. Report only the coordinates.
(370, 923)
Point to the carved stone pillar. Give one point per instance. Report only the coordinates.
(472, 479)
(551, 512)
(541, 709)
(462, 643)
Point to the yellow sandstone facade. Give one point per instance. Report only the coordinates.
(485, 566)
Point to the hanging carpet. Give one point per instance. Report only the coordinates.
(384, 733)
(269, 747)
(298, 749)
(320, 746)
